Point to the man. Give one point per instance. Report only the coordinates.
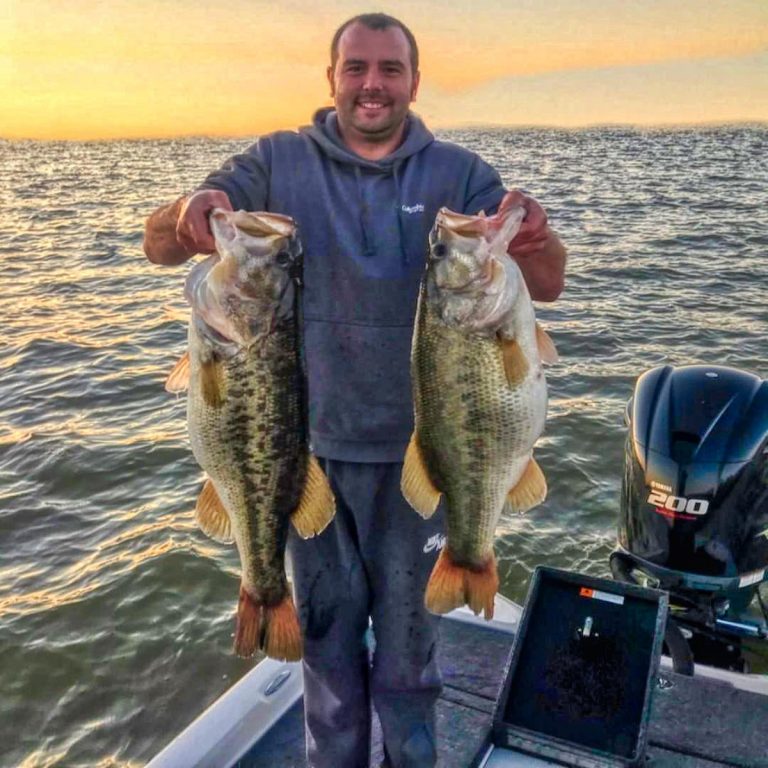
(364, 184)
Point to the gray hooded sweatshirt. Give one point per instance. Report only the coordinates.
(364, 226)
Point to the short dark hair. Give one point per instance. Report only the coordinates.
(376, 21)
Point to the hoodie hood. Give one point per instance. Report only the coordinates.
(325, 132)
(364, 226)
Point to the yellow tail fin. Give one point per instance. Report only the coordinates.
(445, 590)
(480, 588)
(282, 634)
(248, 629)
(451, 586)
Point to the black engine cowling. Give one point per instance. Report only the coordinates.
(694, 507)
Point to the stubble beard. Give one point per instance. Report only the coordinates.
(381, 133)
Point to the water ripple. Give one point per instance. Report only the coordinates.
(115, 612)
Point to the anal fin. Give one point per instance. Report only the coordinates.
(211, 515)
(317, 505)
(416, 484)
(531, 489)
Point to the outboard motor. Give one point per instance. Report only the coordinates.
(694, 507)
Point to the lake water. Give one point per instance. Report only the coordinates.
(116, 613)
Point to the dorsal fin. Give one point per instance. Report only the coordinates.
(547, 349)
(178, 378)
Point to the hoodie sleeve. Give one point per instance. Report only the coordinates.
(244, 178)
(484, 189)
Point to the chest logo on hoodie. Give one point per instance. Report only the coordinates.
(418, 208)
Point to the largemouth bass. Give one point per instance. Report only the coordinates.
(480, 400)
(246, 416)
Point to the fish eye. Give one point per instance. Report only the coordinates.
(439, 251)
(283, 258)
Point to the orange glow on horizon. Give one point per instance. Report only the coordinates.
(134, 70)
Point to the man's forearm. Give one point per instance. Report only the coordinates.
(544, 270)
(160, 243)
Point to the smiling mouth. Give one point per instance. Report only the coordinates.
(373, 105)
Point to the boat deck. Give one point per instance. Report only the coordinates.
(695, 722)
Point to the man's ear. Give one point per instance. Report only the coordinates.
(415, 86)
(329, 75)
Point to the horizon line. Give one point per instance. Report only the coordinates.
(672, 126)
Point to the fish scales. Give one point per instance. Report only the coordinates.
(479, 400)
(247, 416)
(470, 422)
(254, 448)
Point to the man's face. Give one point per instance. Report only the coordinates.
(373, 82)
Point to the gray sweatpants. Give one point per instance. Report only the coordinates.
(373, 560)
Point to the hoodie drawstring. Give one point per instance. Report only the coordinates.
(365, 214)
(399, 212)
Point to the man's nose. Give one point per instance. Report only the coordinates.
(372, 80)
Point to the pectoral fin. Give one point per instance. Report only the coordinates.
(546, 346)
(176, 314)
(317, 505)
(211, 383)
(178, 379)
(211, 515)
(515, 362)
(530, 490)
(417, 486)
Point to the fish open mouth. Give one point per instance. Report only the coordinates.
(487, 227)
(257, 224)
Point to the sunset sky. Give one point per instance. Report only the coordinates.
(134, 68)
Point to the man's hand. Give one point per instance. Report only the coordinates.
(537, 249)
(176, 232)
(534, 232)
(192, 228)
